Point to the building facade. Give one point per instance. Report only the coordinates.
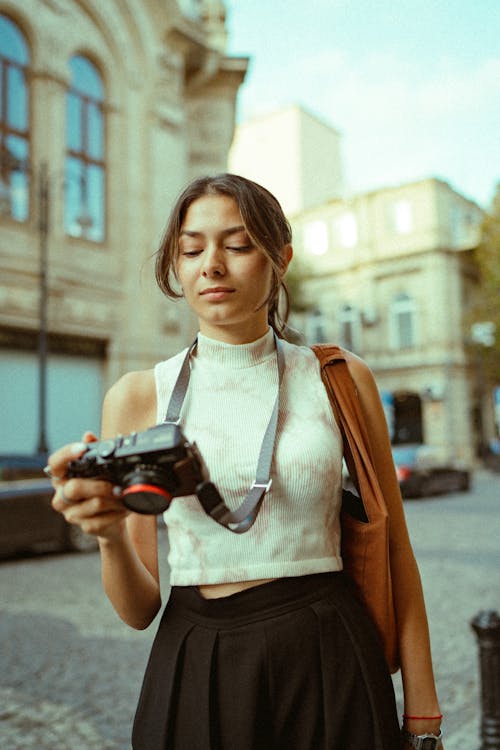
(294, 154)
(386, 273)
(107, 110)
(389, 275)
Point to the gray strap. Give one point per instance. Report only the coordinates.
(180, 388)
(241, 519)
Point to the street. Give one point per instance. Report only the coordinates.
(70, 671)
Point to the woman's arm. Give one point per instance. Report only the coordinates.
(127, 541)
(420, 697)
(130, 573)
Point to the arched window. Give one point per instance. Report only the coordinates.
(14, 121)
(85, 153)
(402, 322)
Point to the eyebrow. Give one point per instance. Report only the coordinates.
(224, 233)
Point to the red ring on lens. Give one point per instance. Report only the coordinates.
(147, 488)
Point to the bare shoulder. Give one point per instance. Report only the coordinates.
(380, 442)
(369, 397)
(130, 404)
(360, 372)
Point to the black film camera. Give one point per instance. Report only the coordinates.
(152, 467)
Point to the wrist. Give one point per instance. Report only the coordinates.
(420, 724)
(422, 731)
(422, 740)
(113, 537)
(422, 727)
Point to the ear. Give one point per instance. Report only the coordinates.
(286, 257)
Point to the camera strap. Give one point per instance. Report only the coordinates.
(241, 519)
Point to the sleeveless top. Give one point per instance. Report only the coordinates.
(227, 407)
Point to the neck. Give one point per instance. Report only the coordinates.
(236, 334)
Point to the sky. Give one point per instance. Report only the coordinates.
(413, 86)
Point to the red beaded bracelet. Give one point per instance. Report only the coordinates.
(423, 718)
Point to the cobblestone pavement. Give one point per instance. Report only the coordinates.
(70, 671)
(456, 542)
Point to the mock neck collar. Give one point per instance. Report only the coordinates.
(235, 355)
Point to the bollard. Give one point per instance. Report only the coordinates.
(486, 625)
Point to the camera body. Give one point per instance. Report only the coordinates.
(152, 467)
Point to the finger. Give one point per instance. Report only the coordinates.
(98, 508)
(78, 491)
(89, 437)
(53, 477)
(59, 460)
(64, 499)
(103, 524)
(95, 513)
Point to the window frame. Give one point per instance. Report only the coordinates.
(349, 317)
(403, 305)
(347, 230)
(402, 219)
(9, 163)
(84, 157)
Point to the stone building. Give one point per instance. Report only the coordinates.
(389, 276)
(107, 110)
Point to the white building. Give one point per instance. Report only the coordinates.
(292, 153)
(390, 277)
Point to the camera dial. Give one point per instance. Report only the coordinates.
(106, 448)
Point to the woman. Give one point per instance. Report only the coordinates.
(262, 643)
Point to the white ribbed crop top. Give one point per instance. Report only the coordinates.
(226, 410)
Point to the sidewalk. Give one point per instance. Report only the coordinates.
(456, 544)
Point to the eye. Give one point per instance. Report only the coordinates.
(239, 248)
(190, 253)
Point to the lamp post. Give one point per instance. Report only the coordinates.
(43, 231)
(9, 163)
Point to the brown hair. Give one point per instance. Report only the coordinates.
(264, 221)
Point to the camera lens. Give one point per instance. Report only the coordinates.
(145, 492)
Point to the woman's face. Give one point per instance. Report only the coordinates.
(226, 279)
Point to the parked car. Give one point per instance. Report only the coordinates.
(423, 470)
(28, 523)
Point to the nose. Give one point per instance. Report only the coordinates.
(213, 263)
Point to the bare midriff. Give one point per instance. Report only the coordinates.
(218, 590)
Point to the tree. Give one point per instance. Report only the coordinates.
(487, 308)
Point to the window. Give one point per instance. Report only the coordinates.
(402, 322)
(316, 238)
(315, 327)
(349, 323)
(14, 121)
(347, 230)
(85, 153)
(402, 217)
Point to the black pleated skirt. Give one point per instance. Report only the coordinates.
(294, 664)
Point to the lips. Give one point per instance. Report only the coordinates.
(217, 292)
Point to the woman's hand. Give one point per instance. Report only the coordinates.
(92, 504)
